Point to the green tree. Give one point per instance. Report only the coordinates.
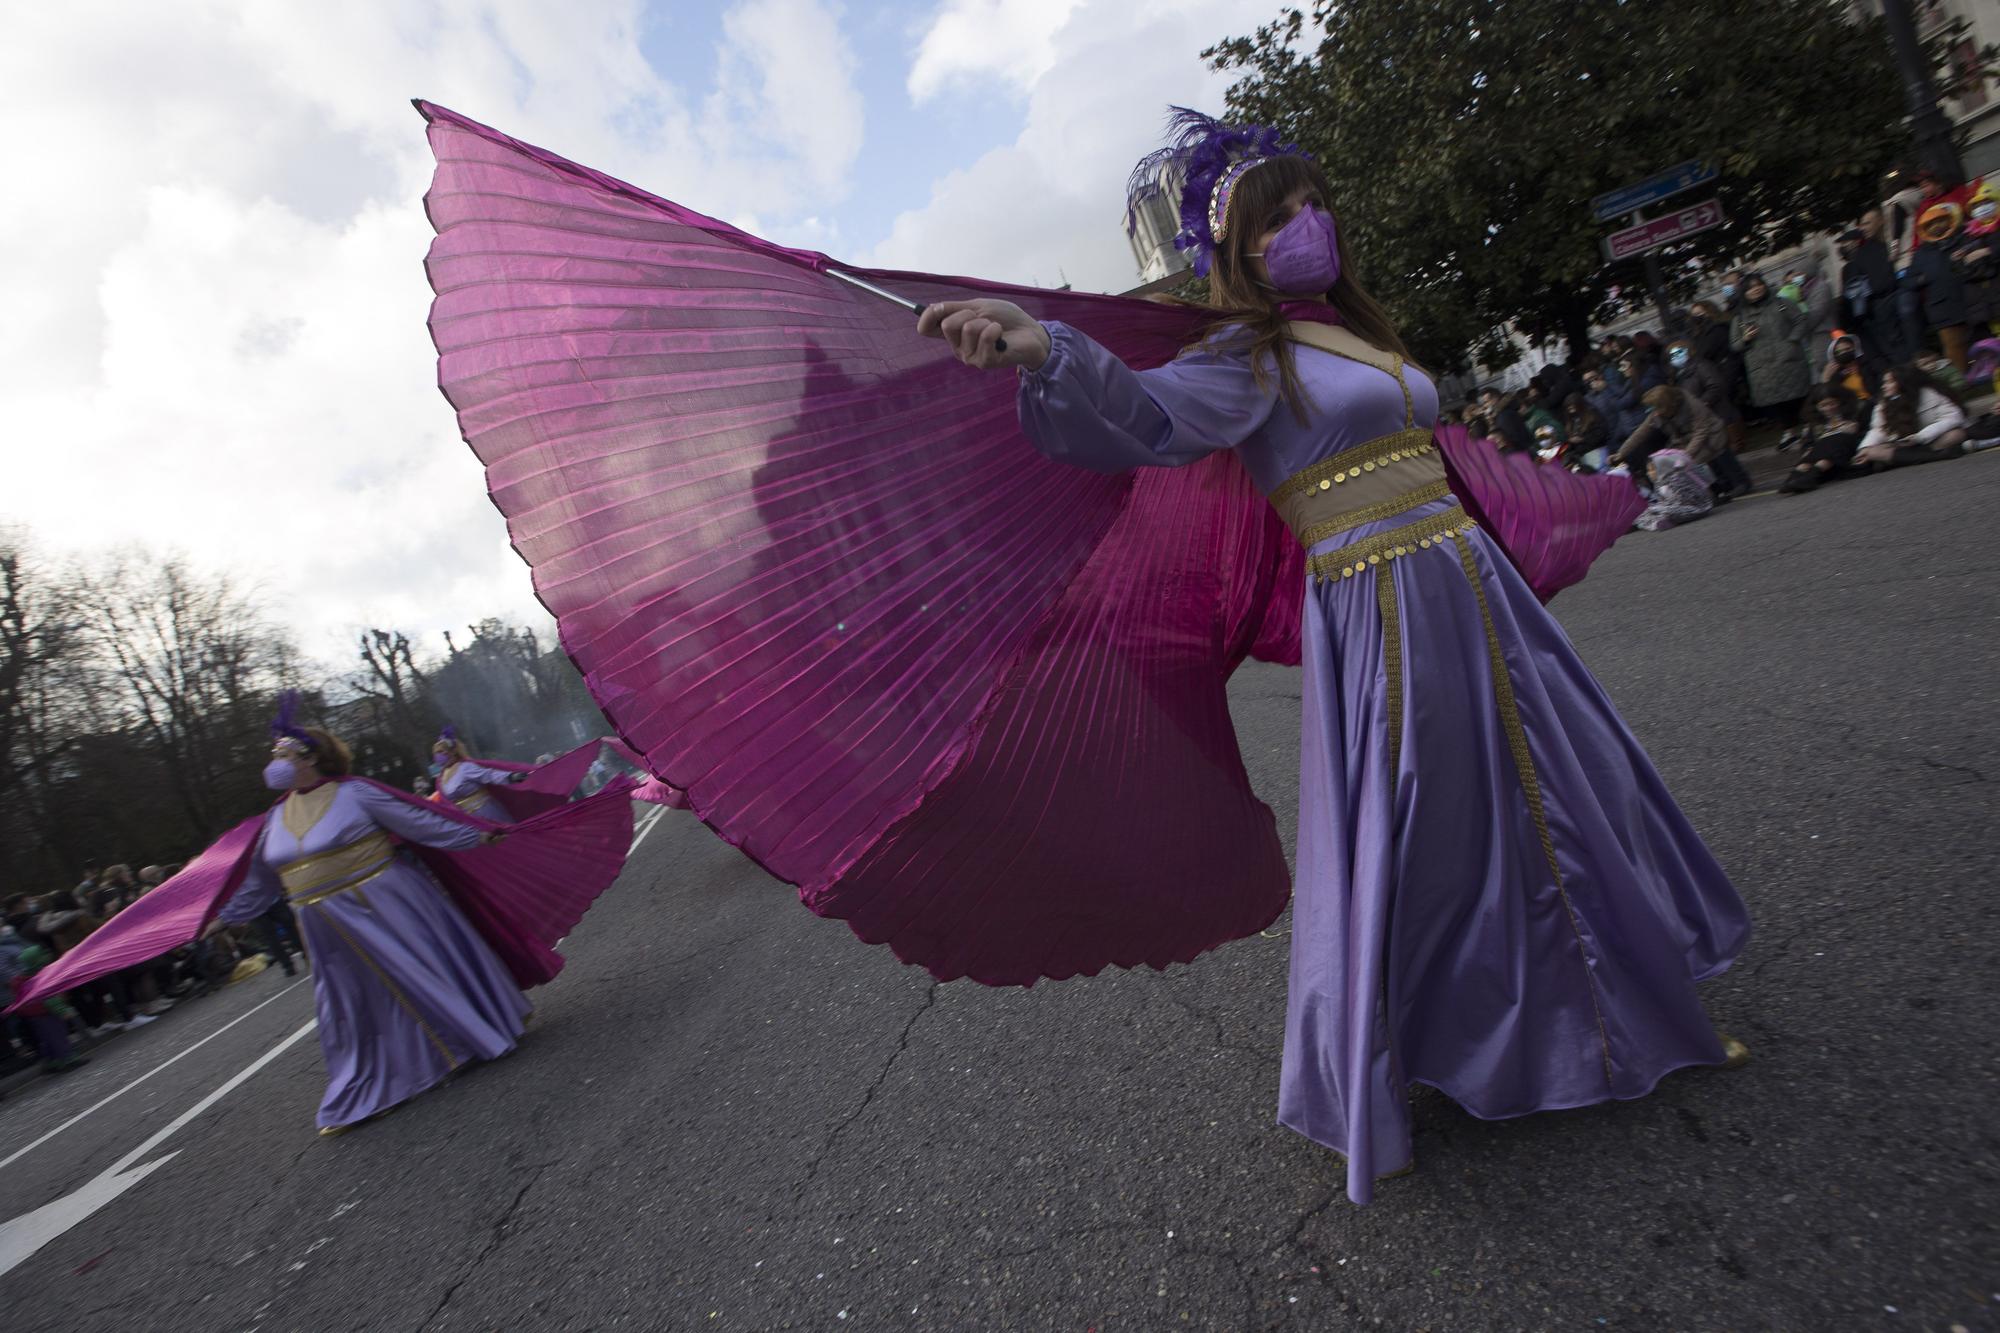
(1465, 139)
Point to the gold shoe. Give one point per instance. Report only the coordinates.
(1735, 1054)
(331, 1130)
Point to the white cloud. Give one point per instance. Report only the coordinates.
(975, 40)
(1052, 202)
(212, 251)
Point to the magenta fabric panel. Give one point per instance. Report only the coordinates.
(1550, 521)
(820, 583)
(525, 893)
(162, 920)
(1102, 814)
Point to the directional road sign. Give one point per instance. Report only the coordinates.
(1650, 235)
(1652, 189)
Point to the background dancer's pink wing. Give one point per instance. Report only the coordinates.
(1551, 522)
(162, 920)
(817, 579)
(527, 892)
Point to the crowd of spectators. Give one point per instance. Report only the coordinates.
(37, 930)
(1862, 370)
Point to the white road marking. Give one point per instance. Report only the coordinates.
(23, 1235)
(645, 827)
(19, 1153)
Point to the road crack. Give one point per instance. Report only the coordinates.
(492, 1243)
(868, 1096)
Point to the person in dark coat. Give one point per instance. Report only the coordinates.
(1510, 430)
(1938, 285)
(1868, 293)
(1586, 434)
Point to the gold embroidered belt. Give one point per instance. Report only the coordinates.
(311, 879)
(477, 800)
(1365, 484)
(1358, 557)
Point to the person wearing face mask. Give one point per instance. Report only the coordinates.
(1868, 289)
(1732, 290)
(1834, 426)
(1850, 367)
(422, 925)
(502, 789)
(1816, 299)
(1976, 255)
(1536, 877)
(1695, 377)
(1768, 331)
(469, 784)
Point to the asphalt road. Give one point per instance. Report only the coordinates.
(731, 1115)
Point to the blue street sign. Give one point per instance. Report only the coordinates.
(1652, 189)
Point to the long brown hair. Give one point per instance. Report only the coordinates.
(330, 752)
(1899, 414)
(1245, 308)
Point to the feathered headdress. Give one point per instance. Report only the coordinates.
(448, 735)
(285, 725)
(1203, 160)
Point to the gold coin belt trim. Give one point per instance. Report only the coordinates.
(1375, 513)
(1350, 463)
(1357, 557)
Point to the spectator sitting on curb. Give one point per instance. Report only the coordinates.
(1916, 420)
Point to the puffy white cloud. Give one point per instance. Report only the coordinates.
(1012, 40)
(1052, 203)
(212, 251)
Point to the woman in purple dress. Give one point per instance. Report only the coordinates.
(468, 783)
(1495, 894)
(407, 990)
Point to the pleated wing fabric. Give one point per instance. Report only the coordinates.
(162, 920)
(526, 893)
(967, 699)
(1551, 522)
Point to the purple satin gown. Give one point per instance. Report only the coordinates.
(478, 789)
(1501, 899)
(406, 990)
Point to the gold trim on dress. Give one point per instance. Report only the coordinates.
(479, 799)
(304, 809)
(1311, 534)
(1351, 464)
(394, 990)
(1328, 338)
(1357, 557)
(1531, 786)
(1392, 669)
(311, 878)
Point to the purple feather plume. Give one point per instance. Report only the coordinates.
(285, 724)
(1200, 150)
(450, 733)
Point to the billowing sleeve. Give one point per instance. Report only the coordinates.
(498, 777)
(408, 821)
(1085, 406)
(258, 891)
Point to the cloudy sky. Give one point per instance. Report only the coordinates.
(211, 240)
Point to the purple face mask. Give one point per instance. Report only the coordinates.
(1303, 259)
(281, 775)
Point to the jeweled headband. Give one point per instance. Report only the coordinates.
(1206, 159)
